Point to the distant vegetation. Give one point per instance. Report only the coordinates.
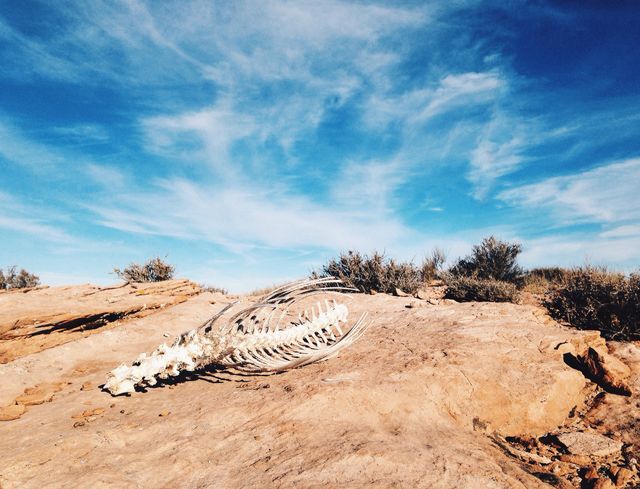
(213, 289)
(10, 279)
(491, 260)
(490, 273)
(595, 298)
(585, 297)
(379, 273)
(154, 270)
(466, 289)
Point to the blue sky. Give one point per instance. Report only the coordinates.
(249, 141)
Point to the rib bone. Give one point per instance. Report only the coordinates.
(239, 344)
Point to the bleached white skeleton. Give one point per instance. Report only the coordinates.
(252, 340)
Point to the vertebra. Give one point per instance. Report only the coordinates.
(252, 340)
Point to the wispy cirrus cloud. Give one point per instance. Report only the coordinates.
(605, 194)
(18, 217)
(277, 128)
(240, 218)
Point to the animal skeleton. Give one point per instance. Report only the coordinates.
(252, 340)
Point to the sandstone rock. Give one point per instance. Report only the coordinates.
(88, 413)
(48, 317)
(623, 476)
(561, 469)
(602, 483)
(38, 395)
(9, 413)
(606, 370)
(591, 474)
(417, 381)
(423, 294)
(593, 444)
(581, 460)
(526, 456)
(399, 293)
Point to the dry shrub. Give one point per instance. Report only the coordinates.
(491, 260)
(213, 289)
(594, 298)
(375, 272)
(543, 280)
(154, 270)
(432, 266)
(466, 289)
(10, 279)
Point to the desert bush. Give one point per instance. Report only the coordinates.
(595, 298)
(432, 266)
(375, 272)
(550, 274)
(491, 260)
(154, 270)
(213, 289)
(542, 280)
(467, 289)
(10, 279)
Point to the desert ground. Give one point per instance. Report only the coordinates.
(436, 394)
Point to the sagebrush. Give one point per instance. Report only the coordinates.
(372, 273)
(467, 289)
(595, 298)
(11, 279)
(491, 260)
(154, 270)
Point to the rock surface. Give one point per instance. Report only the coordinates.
(580, 443)
(41, 318)
(417, 402)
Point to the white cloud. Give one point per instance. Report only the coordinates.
(452, 92)
(622, 231)
(244, 217)
(491, 160)
(22, 150)
(20, 218)
(576, 250)
(605, 194)
(108, 177)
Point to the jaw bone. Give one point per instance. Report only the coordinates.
(251, 340)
